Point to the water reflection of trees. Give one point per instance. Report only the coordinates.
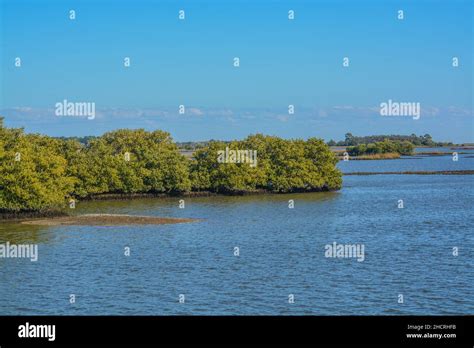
(16, 233)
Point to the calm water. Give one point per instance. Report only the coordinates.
(407, 251)
(415, 163)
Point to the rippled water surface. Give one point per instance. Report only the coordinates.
(408, 251)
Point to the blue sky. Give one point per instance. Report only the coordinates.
(283, 62)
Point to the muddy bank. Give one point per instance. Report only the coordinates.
(105, 220)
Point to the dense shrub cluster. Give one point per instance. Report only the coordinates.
(39, 173)
(283, 166)
(386, 146)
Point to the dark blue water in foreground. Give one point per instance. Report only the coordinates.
(407, 251)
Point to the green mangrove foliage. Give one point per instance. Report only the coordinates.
(32, 172)
(127, 161)
(386, 146)
(283, 166)
(40, 173)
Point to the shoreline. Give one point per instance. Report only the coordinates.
(59, 215)
(11, 216)
(197, 194)
(20, 216)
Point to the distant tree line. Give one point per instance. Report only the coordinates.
(349, 140)
(382, 147)
(192, 145)
(82, 140)
(41, 173)
(422, 140)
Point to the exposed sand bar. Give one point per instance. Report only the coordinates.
(439, 172)
(105, 220)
